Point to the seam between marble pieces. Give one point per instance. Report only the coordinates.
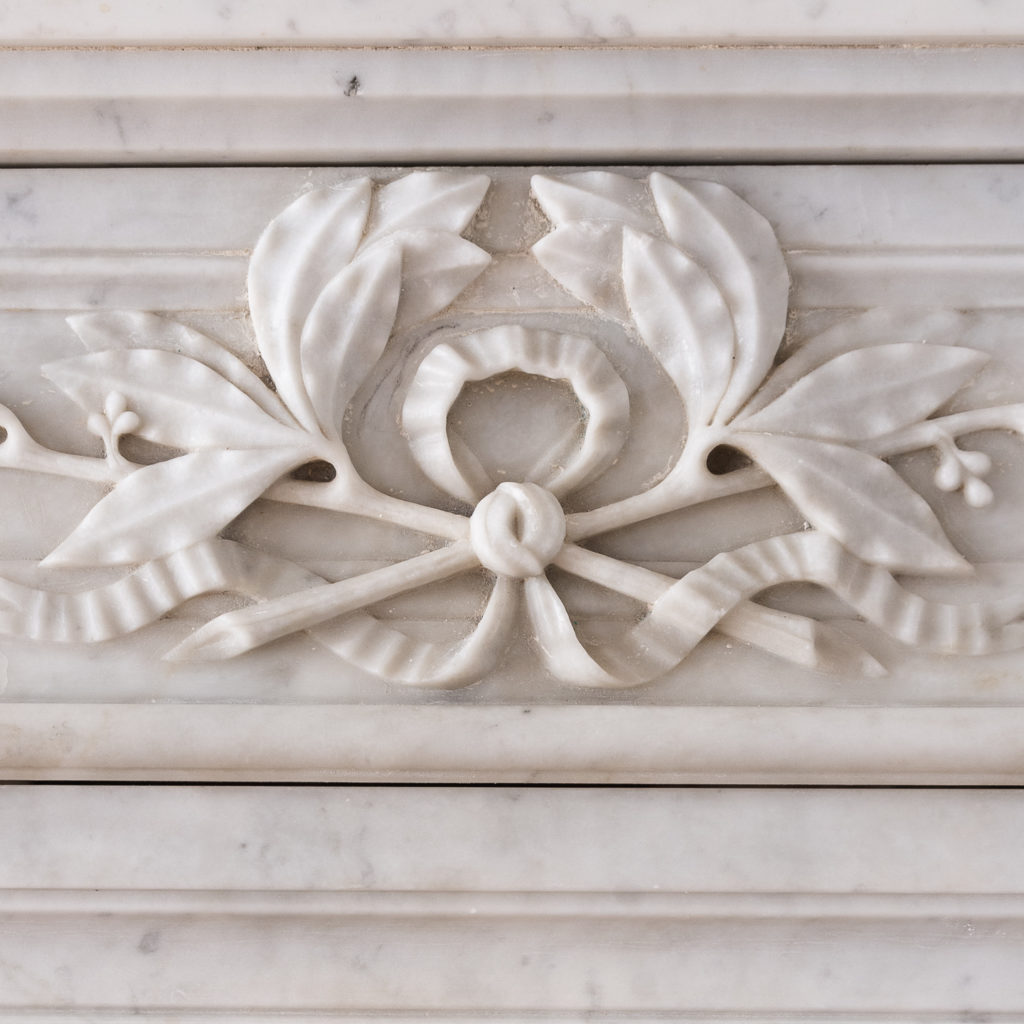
(584, 45)
(525, 161)
(7, 783)
(638, 904)
(198, 1014)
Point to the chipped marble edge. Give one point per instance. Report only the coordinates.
(513, 744)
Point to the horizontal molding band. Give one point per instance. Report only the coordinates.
(227, 842)
(963, 279)
(583, 744)
(163, 281)
(512, 962)
(117, 106)
(235, 903)
(526, 21)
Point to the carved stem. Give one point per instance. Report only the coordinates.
(692, 484)
(675, 492)
(18, 450)
(930, 432)
(248, 628)
(43, 460)
(371, 504)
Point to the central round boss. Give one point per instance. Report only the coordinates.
(517, 529)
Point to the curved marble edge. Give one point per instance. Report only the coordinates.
(82, 106)
(523, 21)
(615, 744)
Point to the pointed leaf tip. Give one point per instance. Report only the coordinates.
(170, 505)
(426, 200)
(869, 392)
(737, 247)
(682, 317)
(585, 258)
(595, 196)
(859, 500)
(299, 252)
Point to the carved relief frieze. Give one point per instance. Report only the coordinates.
(350, 290)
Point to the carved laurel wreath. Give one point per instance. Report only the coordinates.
(692, 272)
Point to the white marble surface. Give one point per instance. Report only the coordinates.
(86, 105)
(425, 22)
(554, 905)
(398, 905)
(579, 744)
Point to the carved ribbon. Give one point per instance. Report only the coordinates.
(677, 621)
(690, 608)
(222, 566)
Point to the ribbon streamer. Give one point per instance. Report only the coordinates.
(221, 566)
(678, 620)
(688, 610)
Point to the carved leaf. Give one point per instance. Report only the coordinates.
(585, 258)
(596, 196)
(170, 505)
(347, 331)
(869, 392)
(864, 330)
(436, 267)
(682, 317)
(436, 200)
(857, 499)
(297, 255)
(101, 332)
(180, 402)
(738, 248)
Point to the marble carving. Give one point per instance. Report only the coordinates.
(692, 274)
